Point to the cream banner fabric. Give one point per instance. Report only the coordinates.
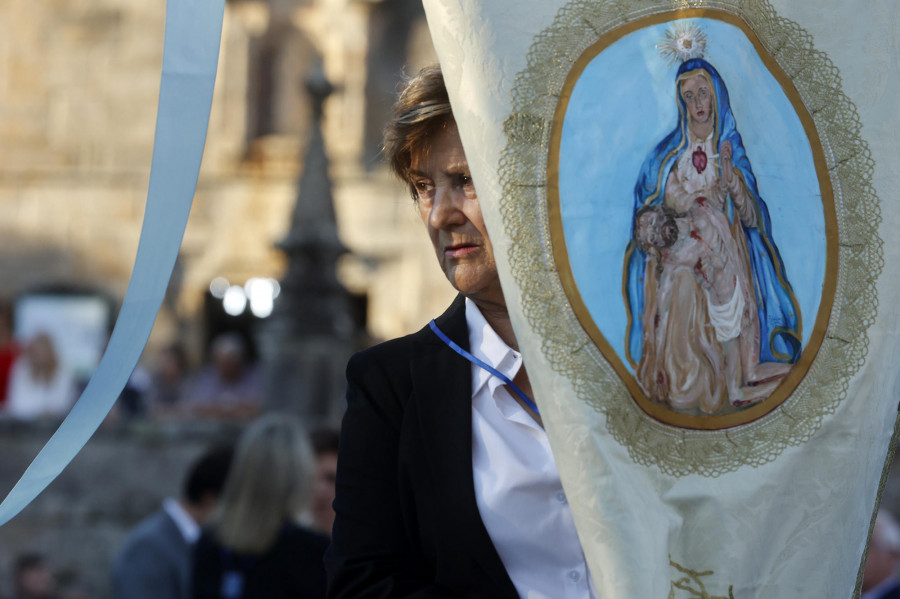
(693, 206)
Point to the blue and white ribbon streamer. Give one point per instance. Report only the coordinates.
(190, 58)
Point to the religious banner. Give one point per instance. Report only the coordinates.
(688, 201)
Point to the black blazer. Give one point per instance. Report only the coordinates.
(407, 524)
(290, 569)
(892, 592)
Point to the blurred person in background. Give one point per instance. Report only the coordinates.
(40, 385)
(132, 400)
(154, 562)
(32, 578)
(228, 388)
(71, 584)
(78, 591)
(880, 580)
(321, 512)
(9, 349)
(168, 384)
(253, 547)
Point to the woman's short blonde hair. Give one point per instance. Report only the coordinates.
(270, 482)
(421, 110)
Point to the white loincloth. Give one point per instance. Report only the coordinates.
(726, 318)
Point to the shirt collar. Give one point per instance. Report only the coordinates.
(188, 528)
(486, 345)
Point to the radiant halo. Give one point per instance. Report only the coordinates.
(683, 41)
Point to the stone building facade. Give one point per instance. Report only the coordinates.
(78, 90)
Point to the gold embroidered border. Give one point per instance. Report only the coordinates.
(524, 210)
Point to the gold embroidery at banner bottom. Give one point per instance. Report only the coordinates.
(523, 177)
(689, 585)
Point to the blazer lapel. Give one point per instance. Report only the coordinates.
(442, 380)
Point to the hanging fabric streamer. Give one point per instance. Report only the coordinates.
(687, 201)
(190, 58)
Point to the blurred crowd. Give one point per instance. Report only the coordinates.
(254, 516)
(227, 387)
(253, 520)
(36, 383)
(33, 578)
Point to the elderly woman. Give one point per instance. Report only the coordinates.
(446, 484)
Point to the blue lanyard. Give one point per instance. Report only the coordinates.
(234, 572)
(485, 366)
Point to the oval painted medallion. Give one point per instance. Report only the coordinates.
(692, 217)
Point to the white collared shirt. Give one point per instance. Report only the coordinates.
(517, 487)
(188, 528)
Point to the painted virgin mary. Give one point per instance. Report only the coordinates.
(672, 339)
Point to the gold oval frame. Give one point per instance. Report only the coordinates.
(855, 258)
(561, 255)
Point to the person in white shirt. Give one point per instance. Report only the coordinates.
(40, 384)
(446, 483)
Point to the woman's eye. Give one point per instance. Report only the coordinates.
(464, 180)
(423, 188)
(466, 185)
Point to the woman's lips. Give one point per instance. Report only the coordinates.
(460, 250)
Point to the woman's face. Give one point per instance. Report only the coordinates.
(40, 351)
(697, 95)
(323, 492)
(450, 210)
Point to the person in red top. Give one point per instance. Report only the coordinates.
(9, 349)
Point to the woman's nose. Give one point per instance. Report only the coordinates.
(447, 209)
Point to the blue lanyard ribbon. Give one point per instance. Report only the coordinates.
(484, 365)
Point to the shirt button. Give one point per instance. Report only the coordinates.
(574, 575)
(561, 497)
